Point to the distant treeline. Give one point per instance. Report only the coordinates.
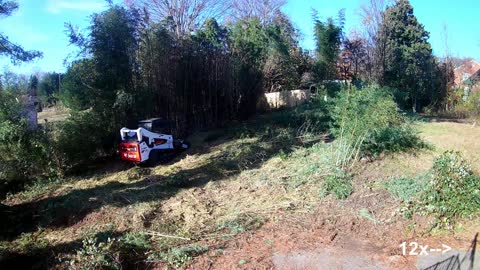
(134, 67)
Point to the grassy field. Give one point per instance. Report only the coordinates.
(214, 204)
(53, 114)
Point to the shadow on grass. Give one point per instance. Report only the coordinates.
(276, 134)
(45, 257)
(439, 119)
(68, 209)
(288, 125)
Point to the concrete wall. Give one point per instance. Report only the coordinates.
(292, 98)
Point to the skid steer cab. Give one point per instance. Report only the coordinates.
(145, 144)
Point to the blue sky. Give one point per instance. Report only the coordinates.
(39, 25)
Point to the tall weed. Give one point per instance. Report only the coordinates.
(371, 116)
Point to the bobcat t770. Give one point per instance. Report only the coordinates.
(145, 144)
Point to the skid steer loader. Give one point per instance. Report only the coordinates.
(145, 144)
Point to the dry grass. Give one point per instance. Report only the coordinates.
(216, 189)
(53, 114)
(442, 136)
(463, 137)
(223, 187)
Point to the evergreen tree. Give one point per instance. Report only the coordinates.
(409, 61)
(14, 51)
(49, 88)
(105, 79)
(78, 87)
(328, 36)
(212, 35)
(33, 85)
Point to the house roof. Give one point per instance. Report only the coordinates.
(465, 71)
(474, 81)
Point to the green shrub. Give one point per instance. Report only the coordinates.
(470, 107)
(371, 115)
(137, 241)
(96, 255)
(392, 139)
(405, 188)
(83, 137)
(358, 111)
(454, 190)
(25, 151)
(338, 185)
(179, 256)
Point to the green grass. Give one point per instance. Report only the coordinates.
(406, 188)
(366, 214)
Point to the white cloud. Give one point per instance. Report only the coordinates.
(57, 6)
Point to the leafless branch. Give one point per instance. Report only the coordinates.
(187, 15)
(264, 10)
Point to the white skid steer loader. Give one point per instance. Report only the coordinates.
(148, 141)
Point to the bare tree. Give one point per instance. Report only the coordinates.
(447, 69)
(264, 10)
(371, 15)
(352, 58)
(186, 15)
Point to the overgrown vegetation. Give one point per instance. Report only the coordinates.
(177, 257)
(466, 104)
(450, 190)
(26, 152)
(453, 191)
(370, 117)
(211, 74)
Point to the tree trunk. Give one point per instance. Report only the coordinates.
(414, 103)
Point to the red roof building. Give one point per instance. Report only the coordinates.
(465, 71)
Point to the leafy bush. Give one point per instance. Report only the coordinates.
(25, 151)
(372, 115)
(338, 185)
(454, 190)
(392, 139)
(84, 136)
